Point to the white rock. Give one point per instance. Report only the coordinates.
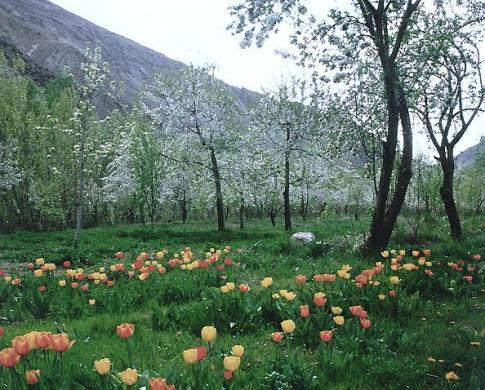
(303, 237)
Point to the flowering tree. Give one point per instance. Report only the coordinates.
(90, 143)
(195, 112)
(373, 30)
(286, 124)
(453, 92)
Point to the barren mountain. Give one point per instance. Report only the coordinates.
(50, 38)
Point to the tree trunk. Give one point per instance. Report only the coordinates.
(383, 221)
(286, 192)
(241, 214)
(79, 196)
(272, 215)
(217, 182)
(184, 209)
(446, 192)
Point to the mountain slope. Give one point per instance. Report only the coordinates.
(52, 38)
(467, 158)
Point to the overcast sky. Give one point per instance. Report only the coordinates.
(194, 31)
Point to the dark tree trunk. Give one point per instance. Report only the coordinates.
(184, 208)
(241, 214)
(286, 192)
(272, 216)
(217, 182)
(446, 192)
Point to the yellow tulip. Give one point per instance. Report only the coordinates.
(38, 273)
(62, 283)
(288, 326)
(385, 253)
(402, 252)
(103, 366)
(225, 289)
(394, 280)
(339, 320)
(39, 261)
(451, 376)
(336, 310)
(409, 266)
(92, 302)
(190, 356)
(231, 286)
(381, 296)
(208, 333)
(266, 282)
(429, 264)
(129, 376)
(232, 363)
(238, 350)
(422, 260)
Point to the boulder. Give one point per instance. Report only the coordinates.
(303, 237)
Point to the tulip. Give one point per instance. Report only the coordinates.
(228, 375)
(224, 289)
(394, 280)
(339, 320)
(385, 254)
(201, 352)
(238, 350)
(266, 282)
(451, 376)
(336, 310)
(358, 311)
(62, 283)
(208, 333)
(21, 345)
(190, 356)
(9, 358)
(103, 366)
(160, 384)
(392, 293)
(381, 297)
(326, 335)
(43, 340)
(288, 326)
(415, 253)
(468, 278)
(38, 273)
(304, 311)
(92, 302)
(30, 266)
(300, 279)
(125, 330)
(244, 288)
(365, 323)
(319, 299)
(32, 377)
(60, 342)
(426, 252)
(129, 376)
(232, 363)
(402, 252)
(74, 285)
(276, 337)
(39, 261)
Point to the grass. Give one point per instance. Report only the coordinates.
(169, 311)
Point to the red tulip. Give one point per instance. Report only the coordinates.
(125, 330)
(9, 358)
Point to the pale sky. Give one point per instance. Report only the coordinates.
(194, 31)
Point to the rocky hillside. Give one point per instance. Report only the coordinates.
(50, 38)
(468, 156)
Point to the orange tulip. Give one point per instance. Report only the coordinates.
(160, 384)
(60, 342)
(125, 330)
(21, 345)
(276, 337)
(326, 335)
(43, 340)
(304, 311)
(9, 358)
(32, 377)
